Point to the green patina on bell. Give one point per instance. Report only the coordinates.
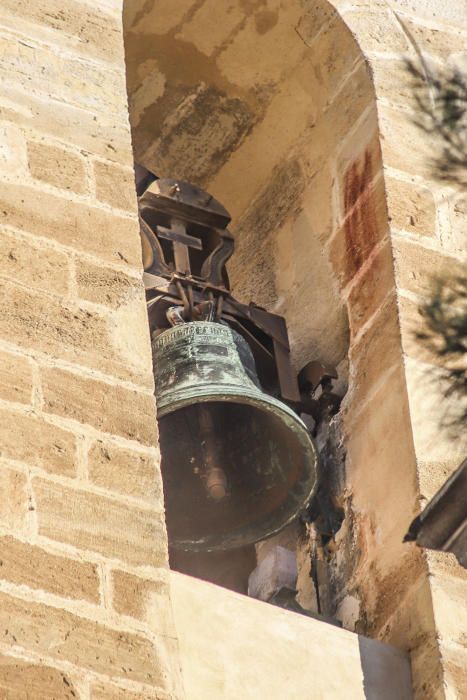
(238, 464)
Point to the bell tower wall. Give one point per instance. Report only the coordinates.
(84, 601)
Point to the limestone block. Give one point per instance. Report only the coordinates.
(433, 474)
(377, 31)
(91, 338)
(359, 159)
(19, 678)
(314, 19)
(39, 322)
(311, 130)
(393, 82)
(15, 378)
(115, 185)
(107, 407)
(298, 254)
(13, 160)
(277, 570)
(413, 625)
(318, 203)
(435, 418)
(114, 529)
(212, 24)
(132, 473)
(454, 672)
(453, 237)
(306, 591)
(371, 289)
(129, 336)
(30, 439)
(412, 323)
(279, 200)
(104, 285)
(151, 85)
(106, 136)
(56, 166)
(345, 6)
(364, 225)
(109, 691)
(61, 635)
(144, 599)
(417, 267)
(89, 85)
(434, 10)
(379, 451)
(205, 126)
(253, 277)
(75, 25)
(333, 55)
(449, 596)
(332, 131)
(265, 49)
(436, 42)
(411, 207)
(14, 500)
(36, 266)
(85, 228)
(405, 145)
(393, 586)
(26, 564)
(271, 142)
(444, 563)
(253, 650)
(160, 18)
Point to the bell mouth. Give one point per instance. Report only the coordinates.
(236, 470)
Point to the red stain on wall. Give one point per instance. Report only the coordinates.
(361, 220)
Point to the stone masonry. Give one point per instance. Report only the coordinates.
(84, 609)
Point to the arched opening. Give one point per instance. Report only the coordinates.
(270, 107)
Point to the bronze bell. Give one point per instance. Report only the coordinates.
(238, 465)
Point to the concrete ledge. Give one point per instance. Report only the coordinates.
(236, 648)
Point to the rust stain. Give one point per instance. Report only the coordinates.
(358, 176)
(360, 224)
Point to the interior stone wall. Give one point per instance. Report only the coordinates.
(84, 602)
(298, 116)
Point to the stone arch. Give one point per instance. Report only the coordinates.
(271, 106)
